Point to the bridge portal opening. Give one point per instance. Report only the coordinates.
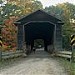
(39, 30)
(39, 43)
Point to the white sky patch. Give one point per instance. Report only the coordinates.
(54, 2)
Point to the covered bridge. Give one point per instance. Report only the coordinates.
(39, 25)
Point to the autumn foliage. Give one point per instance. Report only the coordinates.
(9, 34)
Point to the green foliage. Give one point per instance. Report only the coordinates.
(37, 5)
(9, 10)
(66, 42)
(18, 8)
(38, 42)
(69, 67)
(27, 6)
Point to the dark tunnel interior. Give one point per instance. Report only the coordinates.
(39, 30)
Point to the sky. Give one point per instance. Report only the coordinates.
(54, 2)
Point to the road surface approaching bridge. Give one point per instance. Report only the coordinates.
(38, 63)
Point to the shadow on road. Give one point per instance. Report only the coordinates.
(39, 53)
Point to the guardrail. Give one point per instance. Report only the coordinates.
(11, 54)
(65, 54)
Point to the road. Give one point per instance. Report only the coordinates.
(38, 63)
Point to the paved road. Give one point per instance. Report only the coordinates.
(39, 63)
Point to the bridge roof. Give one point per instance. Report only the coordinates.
(37, 16)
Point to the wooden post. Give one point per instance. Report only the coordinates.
(72, 55)
(0, 53)
(20, 37)
(54, 44)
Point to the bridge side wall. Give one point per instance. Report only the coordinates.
(20, 36)
(58, 38)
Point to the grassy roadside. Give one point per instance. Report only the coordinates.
(69, 66)
(5, 62)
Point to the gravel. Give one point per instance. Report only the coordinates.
(38, 63)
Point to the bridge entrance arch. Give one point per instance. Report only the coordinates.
(39, 30)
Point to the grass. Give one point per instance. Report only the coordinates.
(69, 66)
(5, 62)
